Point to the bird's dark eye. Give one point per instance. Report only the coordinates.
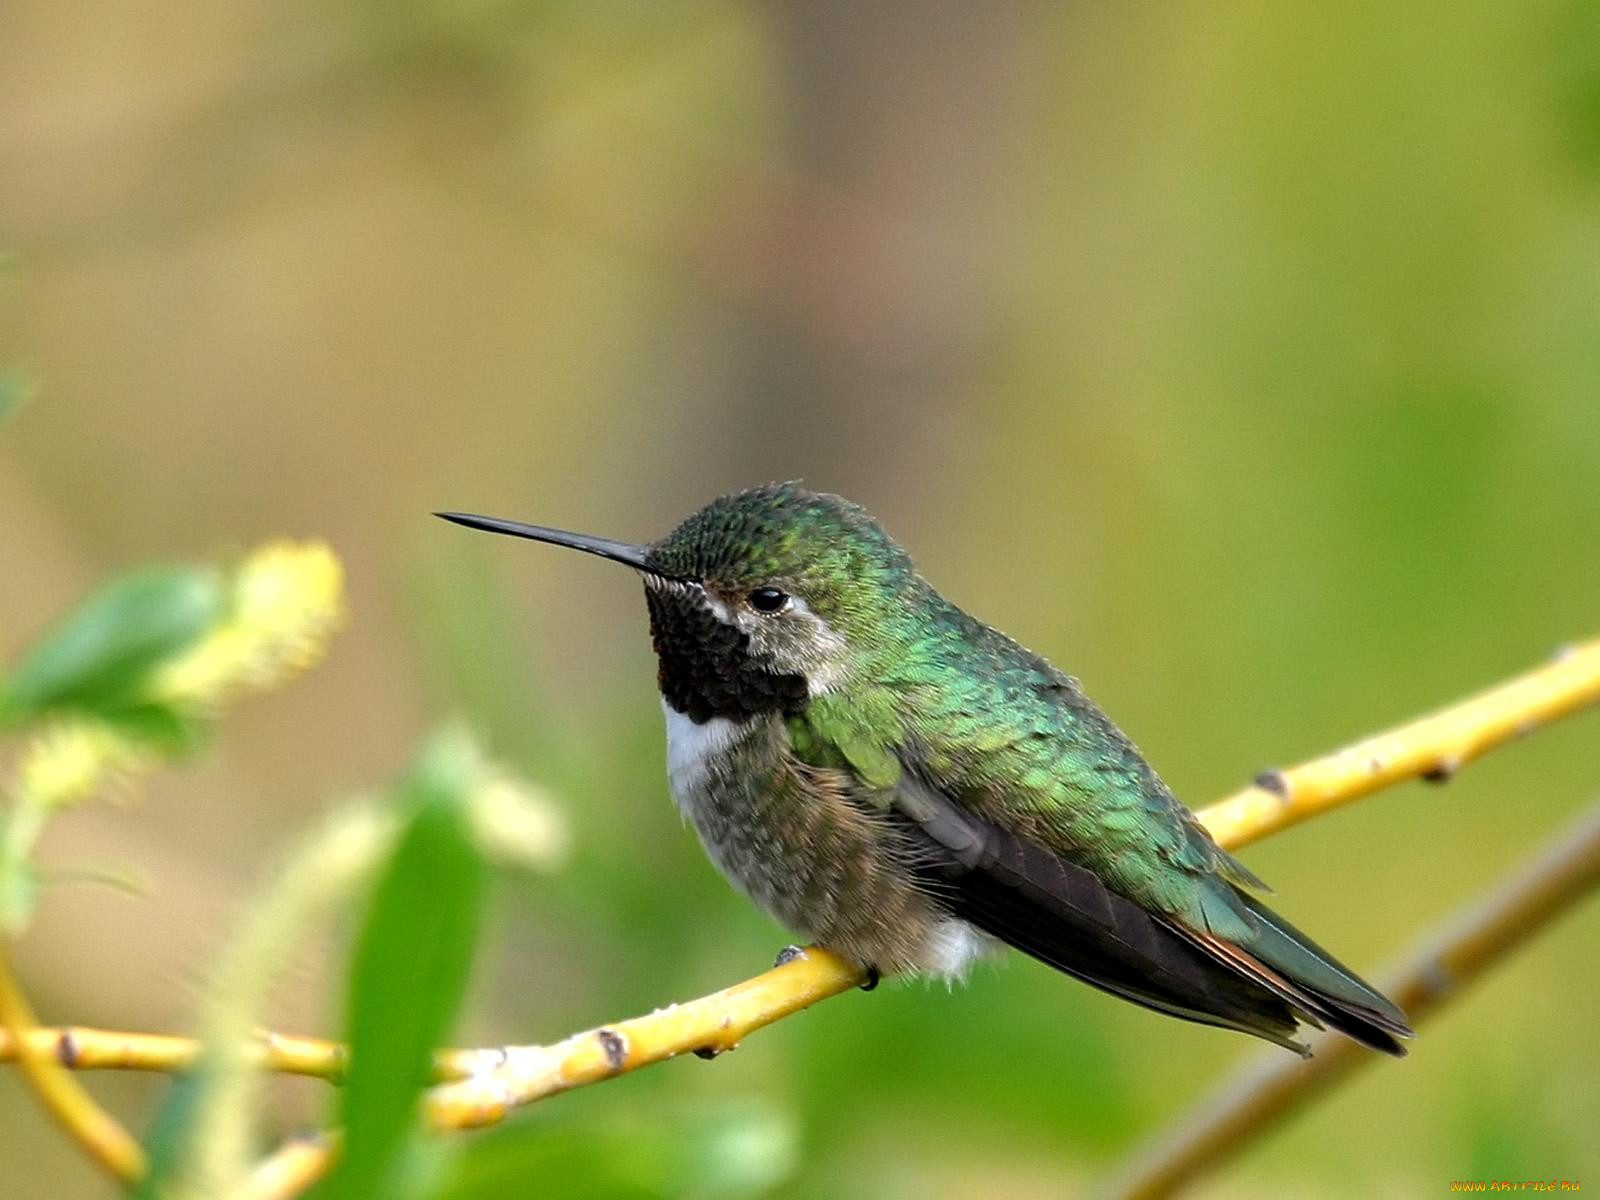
(768, 600)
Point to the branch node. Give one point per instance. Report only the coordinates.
(614, 1046)
(1273, 782)
(1444, 770)
(1437, 979)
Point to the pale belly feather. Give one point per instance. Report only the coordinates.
(805, 855)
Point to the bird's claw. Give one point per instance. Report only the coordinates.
(788, 954)
(872, 978)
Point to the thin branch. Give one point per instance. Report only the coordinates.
(85, 1049)
(1434, 747)
(495, 1082)
(1274, 1087)
(707, 1026)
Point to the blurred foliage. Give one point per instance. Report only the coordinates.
(133, 675)
(718, 1152)
(422, 926)
(1241, 358)
(101, 657)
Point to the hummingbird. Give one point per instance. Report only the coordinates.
(889, 776)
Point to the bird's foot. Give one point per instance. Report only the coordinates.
(789, 953)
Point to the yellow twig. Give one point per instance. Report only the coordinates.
(59, 1093)
(1275, 1086)
(1434, 747)
(84, 1049)
(494, 1082)
(706, 1026)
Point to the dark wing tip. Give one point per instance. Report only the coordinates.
(1376, 1024)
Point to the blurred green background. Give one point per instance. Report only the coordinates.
(1242, 357)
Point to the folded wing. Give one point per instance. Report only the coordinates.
(1061, 913)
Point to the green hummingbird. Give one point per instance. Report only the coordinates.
(889, 776)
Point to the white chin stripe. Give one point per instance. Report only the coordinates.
(691, 748)
(684, 586)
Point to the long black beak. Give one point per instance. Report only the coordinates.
(623, 552)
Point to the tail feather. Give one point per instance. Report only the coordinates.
(1293, 967)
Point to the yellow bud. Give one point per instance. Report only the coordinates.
(72, 760)
(285, 602)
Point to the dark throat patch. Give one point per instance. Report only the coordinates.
(706, 668)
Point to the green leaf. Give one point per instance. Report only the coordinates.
(176, 734)
(410, 972)
(99, 656)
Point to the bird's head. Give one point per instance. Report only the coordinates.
(759, 601)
